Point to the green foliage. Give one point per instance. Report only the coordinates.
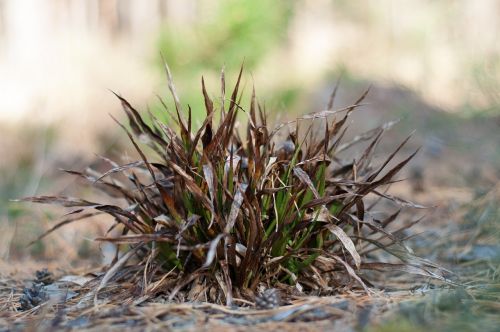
(230, 30)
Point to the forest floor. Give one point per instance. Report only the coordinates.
(457, 173)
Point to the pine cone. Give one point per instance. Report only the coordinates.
(268, 299)
(32, 297)
(44, 276)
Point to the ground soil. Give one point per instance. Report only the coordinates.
(459, 162)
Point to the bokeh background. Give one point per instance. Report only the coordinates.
(433, 64)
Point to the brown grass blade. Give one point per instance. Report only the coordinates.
(346, 242)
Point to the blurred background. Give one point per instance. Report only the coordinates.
(433, 64)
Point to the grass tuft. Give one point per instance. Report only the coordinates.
(220, 214)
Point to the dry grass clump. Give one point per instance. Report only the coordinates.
(216, 215)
